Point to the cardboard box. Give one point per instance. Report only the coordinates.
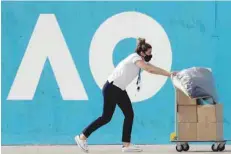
(187, 131)
(187, 113)
(210, 113)
(209, 131)
(183, 99)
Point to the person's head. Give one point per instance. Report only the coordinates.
(144, 49)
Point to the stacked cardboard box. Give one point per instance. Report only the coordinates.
(210, 122)
(187, 117)
(198, 122)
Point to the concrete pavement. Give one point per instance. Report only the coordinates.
(106, 149)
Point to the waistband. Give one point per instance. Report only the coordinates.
(112, 83)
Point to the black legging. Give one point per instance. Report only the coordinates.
(112, 96)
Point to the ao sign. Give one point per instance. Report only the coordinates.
(47, 42)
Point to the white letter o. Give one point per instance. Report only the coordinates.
(130, 25)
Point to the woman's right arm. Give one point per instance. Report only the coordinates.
(152, 69)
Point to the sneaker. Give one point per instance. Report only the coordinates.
(81, 143)
(131, 148)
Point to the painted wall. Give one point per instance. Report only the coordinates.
(52, 107)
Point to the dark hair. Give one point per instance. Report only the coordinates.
(142, 46)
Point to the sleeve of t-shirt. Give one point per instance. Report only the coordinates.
(136, 58)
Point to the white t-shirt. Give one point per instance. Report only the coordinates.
(125, 72)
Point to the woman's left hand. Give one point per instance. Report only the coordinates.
(174, 73)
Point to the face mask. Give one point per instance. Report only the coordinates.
(147, 58)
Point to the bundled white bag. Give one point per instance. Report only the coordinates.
(196, 82)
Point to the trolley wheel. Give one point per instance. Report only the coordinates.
(215, 148)
(221, 147)
(179, 148)
(185, 147)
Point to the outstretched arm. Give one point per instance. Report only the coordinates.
(152, 69)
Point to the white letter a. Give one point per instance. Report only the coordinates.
(47, 42)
